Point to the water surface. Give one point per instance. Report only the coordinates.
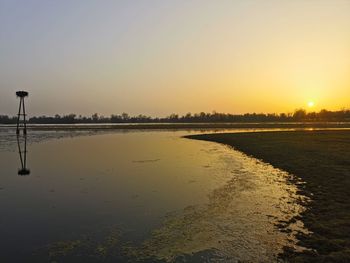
(140, 196)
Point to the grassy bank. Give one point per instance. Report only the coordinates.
(322, 160)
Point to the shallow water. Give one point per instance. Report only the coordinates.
(140, 196)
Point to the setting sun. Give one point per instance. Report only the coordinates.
(311, 104)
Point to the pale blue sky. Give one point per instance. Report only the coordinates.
(159, 57)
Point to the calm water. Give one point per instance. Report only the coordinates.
(139, 197)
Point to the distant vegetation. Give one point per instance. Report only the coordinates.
(298, 116)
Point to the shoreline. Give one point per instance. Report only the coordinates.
(322, 160)
(178, 126)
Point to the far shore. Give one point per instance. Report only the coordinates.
(182, 126)
(321, 159)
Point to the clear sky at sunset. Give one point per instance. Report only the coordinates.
(160, 57)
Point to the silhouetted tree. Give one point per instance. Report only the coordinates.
(298, 115)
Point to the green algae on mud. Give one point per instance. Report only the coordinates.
(322, 160)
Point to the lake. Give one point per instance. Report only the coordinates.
(140, 196)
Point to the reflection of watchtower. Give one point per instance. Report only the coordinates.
(21, 111)
(23, 157)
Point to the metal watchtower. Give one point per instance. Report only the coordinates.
(21, 111)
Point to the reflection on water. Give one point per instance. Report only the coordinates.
(239, 220)
(22, 150)
(143, 197)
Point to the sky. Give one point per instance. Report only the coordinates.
(159, 57)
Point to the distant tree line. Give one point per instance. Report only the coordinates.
(299, 115)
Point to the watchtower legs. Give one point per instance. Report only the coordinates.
(20, 109)
(24, 119)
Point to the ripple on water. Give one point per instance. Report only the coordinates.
(247, 217)
(240, 222)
